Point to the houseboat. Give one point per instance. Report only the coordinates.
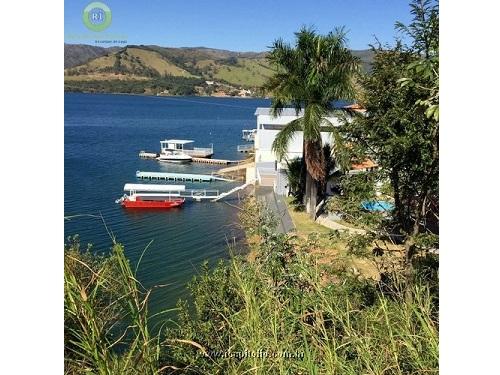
(179, 145)
(152, 196)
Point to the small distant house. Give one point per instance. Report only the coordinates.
(366, 166)
(210, 83)
(244, 92)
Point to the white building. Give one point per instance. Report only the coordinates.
(269, 170)
(269, 126)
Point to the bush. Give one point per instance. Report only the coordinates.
(105, 316)
(350, 328)
(279, 304)
(276, 314)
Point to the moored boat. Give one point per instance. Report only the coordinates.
(174, 157)
(142, 202)
(152, 196)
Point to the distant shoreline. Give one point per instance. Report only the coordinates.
(166, 96)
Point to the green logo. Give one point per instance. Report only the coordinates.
(97, 16)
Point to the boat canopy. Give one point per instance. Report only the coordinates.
(177, 141)
(158, 188)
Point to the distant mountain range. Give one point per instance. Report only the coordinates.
(171, 71)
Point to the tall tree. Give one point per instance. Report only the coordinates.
(400, 130)
(311, 75)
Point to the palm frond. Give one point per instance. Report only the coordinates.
(285, 136)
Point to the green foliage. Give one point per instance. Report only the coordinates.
(295, 174)
(424, 28)
(400, 130)
(356, 188)
(175, 85)
(358, 244)
(277, 314)
(281, 304)
(255, 218)
(231, 61)
(105, 316)
(310, 76)
(426, 241)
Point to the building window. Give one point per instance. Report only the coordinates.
(272, 127)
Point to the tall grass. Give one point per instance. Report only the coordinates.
(280, 304)
(106, 316)
(277, 314)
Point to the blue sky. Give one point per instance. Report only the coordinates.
(235, 24)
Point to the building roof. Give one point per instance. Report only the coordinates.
(285, 112)
(339, 105)
(366, 164)
(178, 141)
(355, 107)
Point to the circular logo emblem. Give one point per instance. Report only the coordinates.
(97, 16)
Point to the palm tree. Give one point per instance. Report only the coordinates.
(310, 76)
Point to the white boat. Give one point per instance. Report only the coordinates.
(148, 155)
(174, 157)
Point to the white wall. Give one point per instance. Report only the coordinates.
(265, 138)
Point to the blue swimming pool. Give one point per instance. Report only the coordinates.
(380, 206)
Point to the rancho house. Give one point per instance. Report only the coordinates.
(269, 170)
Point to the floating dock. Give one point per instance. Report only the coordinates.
(189, 177)
(215, 161)
(245, 148)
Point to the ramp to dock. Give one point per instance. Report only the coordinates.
(235, 172)
(235, 168)
(189, 177)
(234, 190)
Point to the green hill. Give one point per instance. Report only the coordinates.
(170, 71)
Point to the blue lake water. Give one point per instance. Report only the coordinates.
(103, 135)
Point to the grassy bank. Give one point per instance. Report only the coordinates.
(282, 312)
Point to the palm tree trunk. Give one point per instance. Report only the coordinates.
(307, 194)
(311, 196)
(314, 199)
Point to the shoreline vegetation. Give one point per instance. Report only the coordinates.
(285, 308)
(314, 300)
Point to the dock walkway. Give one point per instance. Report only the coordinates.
(189, 177)
(214, 161)
(204, 160)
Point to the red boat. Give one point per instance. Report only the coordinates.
(152, 196)
(140, 203)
